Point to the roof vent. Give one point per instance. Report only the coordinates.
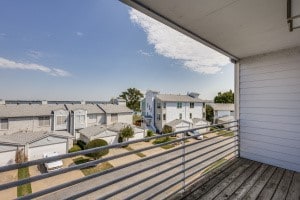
(44, 102)
(2, 102)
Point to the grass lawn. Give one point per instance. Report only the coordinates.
(214, 165)
(26, 188)
(140, 154)
(91, 170)
(228, 133)
(163, 140)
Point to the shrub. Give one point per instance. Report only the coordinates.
(97, 143)
(167, 129)
(127, 132)
(81, 143)
(150, 133)
(75, 148)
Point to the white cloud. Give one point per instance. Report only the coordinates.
(10, 64)
(79, 33)
(34, 54)
(144, 53)
(175, 45)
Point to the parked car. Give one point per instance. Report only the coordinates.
(197, 135)
(54, 165)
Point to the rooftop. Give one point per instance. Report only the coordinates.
(28, 110)
(113, 108)
(90, 108)
(178, 98)
(222, 106)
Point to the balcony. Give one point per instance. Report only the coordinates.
(192, 169)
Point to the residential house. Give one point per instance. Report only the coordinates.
(84, 115)
(109, 133)
(32, 118)
(33, 145)
(177, 111)
(116, 113)
(223, 112)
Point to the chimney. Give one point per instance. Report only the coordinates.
(82, 102)
(193, 94)
(2, 102)
(44, 102)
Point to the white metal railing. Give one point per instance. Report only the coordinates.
(191, 155)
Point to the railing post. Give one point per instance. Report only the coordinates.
(238, 136)
(183, 161)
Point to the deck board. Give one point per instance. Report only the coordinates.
(245, 179)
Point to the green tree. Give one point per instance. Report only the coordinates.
(127, 132)
(132, 97)
(209, 113)
(97, 143)
(167, 129)
(226, 97)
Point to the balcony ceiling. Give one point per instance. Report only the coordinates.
(237, 28)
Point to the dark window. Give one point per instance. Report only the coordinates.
(4, 124)
(180, 116)
(192, 105)
(44, 121)
(164, 116)
(165, 104)
(179, 105)
(158, 105)
(158, 116)
(191, 115)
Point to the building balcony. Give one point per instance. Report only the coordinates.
(179, 168)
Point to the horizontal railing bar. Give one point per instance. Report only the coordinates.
(178, 173)
(173, 184)
(193, 181)
(91, 163)
(52, 189)
(146, 169)
(87, 151)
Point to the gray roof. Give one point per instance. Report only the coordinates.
(90, 108)
(105, 131)
(222, 106)
(177, 98)
(23, 137)
(94, 130)
(27, 110)
(117, 127)
(113, 108)
(196, 120)
(175, 122)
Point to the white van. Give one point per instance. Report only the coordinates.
(54, 165)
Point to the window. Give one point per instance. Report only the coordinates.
(44, 121)
(165, 105)
(179, 105)
(4, 124)
(158, 105)
(61, 120)
(164, 117)
(191, 115)
(180, 116)
(80, 119)
(192, 105)
(158, 116)
(92, 118)
(114, 118)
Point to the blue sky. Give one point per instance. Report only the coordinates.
(94, 50)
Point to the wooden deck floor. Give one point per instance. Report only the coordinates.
(245, 179)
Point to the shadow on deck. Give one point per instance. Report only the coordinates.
(245, 179)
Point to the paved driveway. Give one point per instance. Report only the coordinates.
(150, 152)
(86, 185)
(55, 180)
(7, 177)
(123, 160)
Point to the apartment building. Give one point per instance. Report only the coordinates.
(178, 111)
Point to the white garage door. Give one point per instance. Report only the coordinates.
(7, 158)
(38, 152)
(110, 140)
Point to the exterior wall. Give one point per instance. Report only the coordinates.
(270, 109)
(57, 127)
(125, 118)
(25, 124)
(100, 119)
(172, 112)
(150, 105)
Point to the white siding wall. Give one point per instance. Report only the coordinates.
(125, 118)
(270, 108)
(25, 124)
